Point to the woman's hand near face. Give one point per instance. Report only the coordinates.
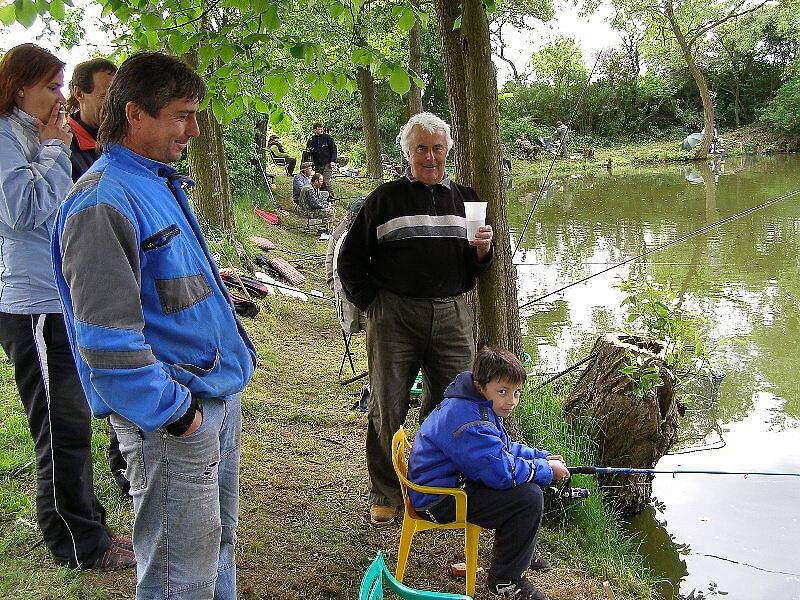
(55, 128)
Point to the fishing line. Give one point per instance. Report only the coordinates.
(553, 162)
(682, 238)
(631, 471)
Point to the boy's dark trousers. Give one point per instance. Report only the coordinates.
(515, 515)
(70, 516)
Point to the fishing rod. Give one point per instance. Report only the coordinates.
(584, 470)
(553, 161)
(682, 238)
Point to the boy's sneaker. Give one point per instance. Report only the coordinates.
(516, 589)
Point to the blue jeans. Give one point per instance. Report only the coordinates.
(186, 504)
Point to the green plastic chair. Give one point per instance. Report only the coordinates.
(372, 586)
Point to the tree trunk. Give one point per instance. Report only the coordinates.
(208, 166)
(708, 106)
(262, 126)
(369, 118)
(447, 11)
(629, 431)
(498, 312)
(415, 66)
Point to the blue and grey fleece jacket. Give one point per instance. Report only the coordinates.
(463, 440)
(150, 322)
(34, 178)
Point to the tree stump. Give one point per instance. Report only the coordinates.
(629, 431)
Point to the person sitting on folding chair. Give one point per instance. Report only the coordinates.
(312, 203)
(276, 149)
(463, 443)
(302, 179)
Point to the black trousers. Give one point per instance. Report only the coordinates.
(514, 514)
(70, 516)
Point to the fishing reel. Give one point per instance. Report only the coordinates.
(567, 492)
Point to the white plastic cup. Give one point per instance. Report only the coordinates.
(476, 217)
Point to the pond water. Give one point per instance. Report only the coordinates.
(705, 535)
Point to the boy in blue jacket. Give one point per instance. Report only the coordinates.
(463, 443)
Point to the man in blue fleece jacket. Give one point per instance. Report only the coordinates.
(154, 334)
(463, 443)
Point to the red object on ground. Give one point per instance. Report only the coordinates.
(267, 216)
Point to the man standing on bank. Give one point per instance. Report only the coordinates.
(323, 154)
(87, 92)
(156, 340)
(407, 262)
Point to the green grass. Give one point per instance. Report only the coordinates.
(587, 533)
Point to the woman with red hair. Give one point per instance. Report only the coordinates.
(35, 176)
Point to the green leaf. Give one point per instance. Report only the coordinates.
(8, 14)
(178, 42)
(457, 23)
(232, 87)
(227, 53)
(261, 106)
(218, 109)
(419, 82)
(276, 85)
(298, 51)
(271, 20)
(26, 13)
(361, 57)
(399, 81)
(336, 9)
(56, 9)
(152, 21)
(206, 53)
(320, 90)
(407, 19)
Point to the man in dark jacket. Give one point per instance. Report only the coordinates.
(87, 89)
(323, 153)
(407, 262)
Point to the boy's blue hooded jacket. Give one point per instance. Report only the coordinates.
(149, 320)
(464, 440)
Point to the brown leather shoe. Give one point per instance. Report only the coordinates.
(113, 559)
(380, 515)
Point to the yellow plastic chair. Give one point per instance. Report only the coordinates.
(412, 523)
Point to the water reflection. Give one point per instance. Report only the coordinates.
(744, 278)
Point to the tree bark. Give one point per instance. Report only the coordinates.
(498, 312)
(208, 166)
(415, 66)
(699, 79)
(447, 11)
(629, 431)
(369, 119)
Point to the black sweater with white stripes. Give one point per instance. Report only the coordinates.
(410, 239)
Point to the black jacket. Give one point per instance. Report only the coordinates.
(323, 149)
(410, 239)
(83, 146)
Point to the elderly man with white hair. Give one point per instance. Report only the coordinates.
(407, 262)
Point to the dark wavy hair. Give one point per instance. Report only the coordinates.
(494, 363)
(151, 80)
(23, 66)
(83, 78)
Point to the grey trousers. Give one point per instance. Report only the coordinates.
(404, 335)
